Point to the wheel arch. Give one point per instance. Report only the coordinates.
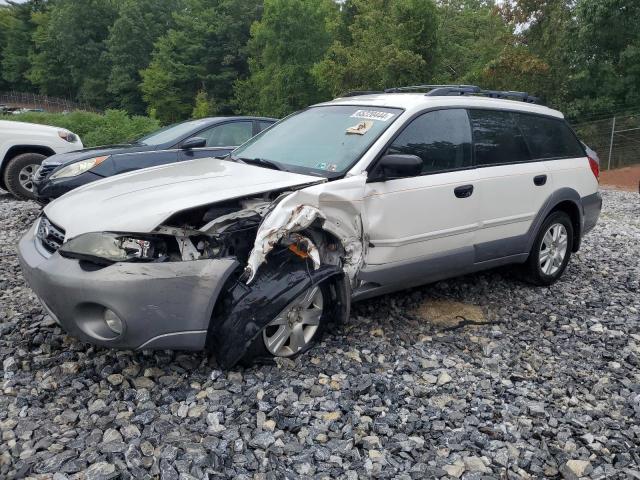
(564, 200)
(16, 150)
(573, 211)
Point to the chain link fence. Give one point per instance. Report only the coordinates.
(616, 139)
(34, 101)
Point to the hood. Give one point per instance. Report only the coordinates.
(23, 127)
(77, 155)
(140, 201)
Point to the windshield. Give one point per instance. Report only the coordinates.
(326, 140)
(172, 132)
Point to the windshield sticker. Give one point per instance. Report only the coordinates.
(373, 115)
(332, 167)
(361, 128)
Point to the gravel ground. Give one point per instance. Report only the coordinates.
(549, 386)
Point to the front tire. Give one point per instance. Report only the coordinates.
(551, 250)
(296, 329)
(18, 175)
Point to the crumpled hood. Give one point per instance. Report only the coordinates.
(140, 201)
(77, 155)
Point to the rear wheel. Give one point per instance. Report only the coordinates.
(18, 175)
(551, 250)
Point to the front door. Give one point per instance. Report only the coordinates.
(221, 139)
(431, 219)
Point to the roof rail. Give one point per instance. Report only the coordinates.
(474, 90)
(356, 93)
(412, 88)
(452, 90)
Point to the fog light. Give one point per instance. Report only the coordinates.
(113, 321)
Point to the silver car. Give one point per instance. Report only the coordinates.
(253, 255)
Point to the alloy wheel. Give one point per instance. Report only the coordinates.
(553, 249)
(25, 177)
(293, 329)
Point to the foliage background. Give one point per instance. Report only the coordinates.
(172, 59)
(112, 127)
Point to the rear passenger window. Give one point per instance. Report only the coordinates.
(442, 139)
(549, 137)
(497, 138)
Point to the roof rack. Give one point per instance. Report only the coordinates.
(356, 93)
(474, 90)
(452, 90)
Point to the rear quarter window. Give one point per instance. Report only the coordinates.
(549, 137)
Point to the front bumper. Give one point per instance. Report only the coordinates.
(162, 305)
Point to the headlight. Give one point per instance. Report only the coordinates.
(115, 247)
(67, 135)
(75, 169)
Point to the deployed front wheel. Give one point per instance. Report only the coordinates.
(551, 250)
(295, 329)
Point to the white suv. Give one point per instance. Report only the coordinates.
(23, 147)
(255, 254)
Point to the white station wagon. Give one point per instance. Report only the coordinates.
(255, 254)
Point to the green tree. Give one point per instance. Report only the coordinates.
(204, 107)
(205, 50)
(130, 44)
(606, 73)
(16, 30)
(393, 42)
(70, 42)
(471, 34)
(291, 37)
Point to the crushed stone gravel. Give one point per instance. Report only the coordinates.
(549, 386)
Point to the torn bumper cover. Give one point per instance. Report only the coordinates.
(160, 305)
(248, 309)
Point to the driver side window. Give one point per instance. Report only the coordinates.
(228, 134)
(441, 138)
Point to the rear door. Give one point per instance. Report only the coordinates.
(512, 185)
(552, 141)
(222, 139)
(420, 220)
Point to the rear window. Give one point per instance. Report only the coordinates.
(549, 137)
(497, 138)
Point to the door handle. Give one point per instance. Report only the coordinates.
(540, 180)
(463, 191)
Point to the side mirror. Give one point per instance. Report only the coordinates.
(396, 165)
(194, 142)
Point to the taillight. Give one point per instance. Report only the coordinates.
(595, 167)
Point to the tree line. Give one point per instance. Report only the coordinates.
(173, 59)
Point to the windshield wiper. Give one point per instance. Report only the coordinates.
(263, 162)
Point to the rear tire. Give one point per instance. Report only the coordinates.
(551, 250)
(18, 175)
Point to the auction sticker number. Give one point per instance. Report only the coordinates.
(373, 115)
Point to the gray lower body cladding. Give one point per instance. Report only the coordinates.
(161, 305)
(591, 206)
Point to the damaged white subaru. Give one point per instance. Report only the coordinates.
(254, 255)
